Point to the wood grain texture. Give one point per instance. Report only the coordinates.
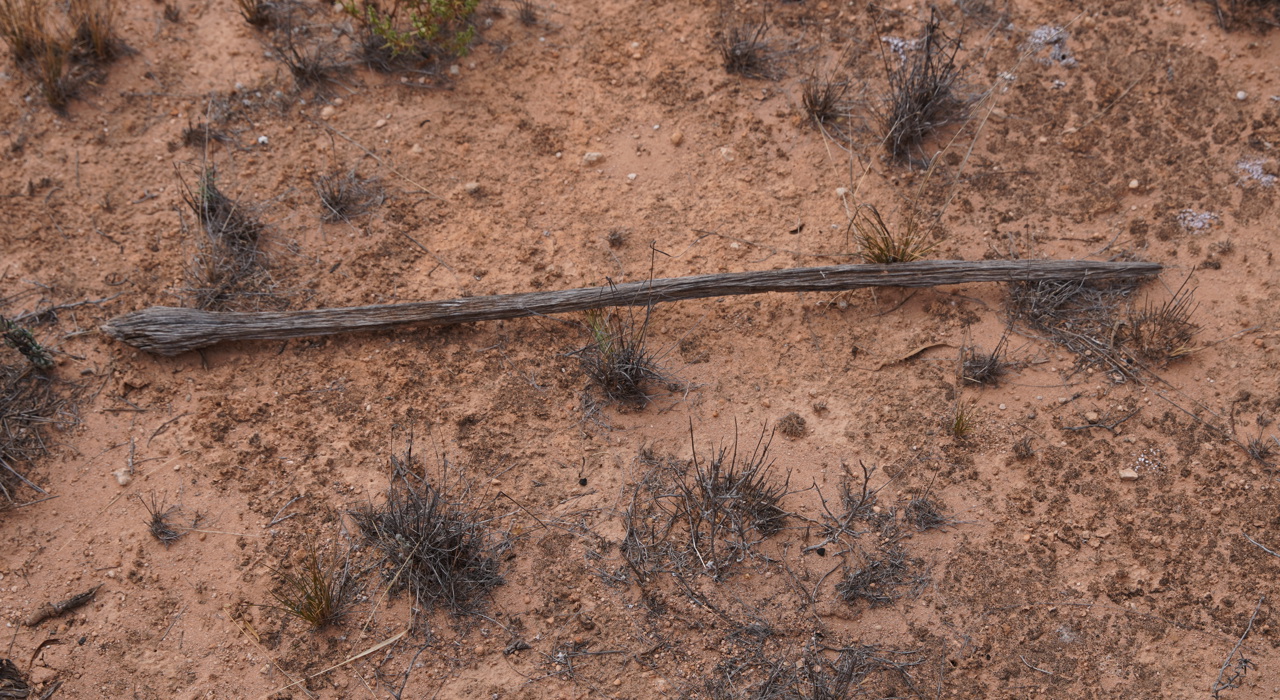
(168, 331)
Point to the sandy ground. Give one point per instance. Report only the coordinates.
(1151, 133)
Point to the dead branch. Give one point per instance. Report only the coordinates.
(170, 331)
(49, 610)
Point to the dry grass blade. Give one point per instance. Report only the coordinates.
(346, 195)
(1163, 332)
(878, 244)
(744, 51)
(318, 591)
(435, 546)
(52, 70)
(617, 359)
(922, 95)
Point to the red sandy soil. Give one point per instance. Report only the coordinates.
(1057, 578)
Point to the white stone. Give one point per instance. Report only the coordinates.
(592, 158)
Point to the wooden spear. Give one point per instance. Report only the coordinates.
(168, 331)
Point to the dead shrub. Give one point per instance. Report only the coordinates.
(744, 51)
(704, 514)
(435, 545)
(229, 268)
(923, 94)
(345, 195)
(880, 578)
(978, 367)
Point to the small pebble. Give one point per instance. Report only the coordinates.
(1003, 407)
(677, 137)
(416, 149)
(592, 158)
(1128, 474)
(471, 187)
(631, 176)
(842, 191)
(339, 101)
(1092, 416)
(123, 478)
(1242, 95)
(455, 70)
(327, 111)
(1133, 184)
(263, 140)
(380, 123)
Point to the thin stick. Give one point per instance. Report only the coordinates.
(1260, 546)
(170, 331)
(1215, 689)
(380, 645)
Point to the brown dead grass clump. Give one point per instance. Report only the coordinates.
(23, 27)
(319, 590)
(881, 245)
(59, 59)
(93, 23)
